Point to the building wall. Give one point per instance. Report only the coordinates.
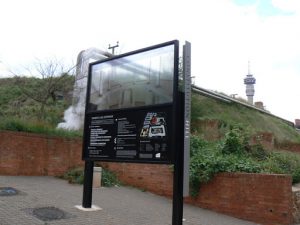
(36, 155)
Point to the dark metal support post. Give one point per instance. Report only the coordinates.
(88, 184)
(177, 213)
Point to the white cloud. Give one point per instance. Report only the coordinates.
(287, 5)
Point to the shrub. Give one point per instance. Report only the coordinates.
(109, 178)
(76, 176)
(296, 175)
(196, 145)
(209, 159)
(258, 152)
(234, 154)
(236, 141)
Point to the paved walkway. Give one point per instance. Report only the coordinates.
(121, 205)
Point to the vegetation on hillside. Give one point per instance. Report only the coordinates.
(20, 97)
(25, 107)
(40, 98)
(20, 110)
(229, 114)
(35, 126)
(37, 105)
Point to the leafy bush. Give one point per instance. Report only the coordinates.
(209, 159)
(234, 154)
(232, 143)
(236, 141)
(258, 152)
(197, 144)
(74, 176)
(109, 178)
(296, 175)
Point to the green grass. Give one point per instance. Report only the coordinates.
(19, 112)
(230, 114)
(16, 99)
(13, 124)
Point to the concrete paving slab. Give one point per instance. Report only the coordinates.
(120, 205)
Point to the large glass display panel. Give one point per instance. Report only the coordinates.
(140, 79)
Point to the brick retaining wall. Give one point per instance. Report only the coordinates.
(262, 198)
(36, 155)
(288, 146)
(208, 128)
(154, 178)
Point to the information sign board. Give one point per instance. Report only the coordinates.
(131, 106)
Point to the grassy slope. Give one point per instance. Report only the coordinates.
(18, 112)
(15, 106)
(231, 113)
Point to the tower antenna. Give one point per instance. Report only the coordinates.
(249, 81)
(113, 47)
(249, 67)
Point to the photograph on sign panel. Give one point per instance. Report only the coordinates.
(154, 126)
(140, 79)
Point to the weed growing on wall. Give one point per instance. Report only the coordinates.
(109, 179)
(74, 176)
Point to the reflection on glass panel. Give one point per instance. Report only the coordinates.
(137, 80)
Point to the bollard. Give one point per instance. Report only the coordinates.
(97, 177)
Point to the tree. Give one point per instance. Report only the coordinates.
(48, 80)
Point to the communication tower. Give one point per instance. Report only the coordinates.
(249, 81)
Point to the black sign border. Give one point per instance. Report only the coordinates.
(174, 120)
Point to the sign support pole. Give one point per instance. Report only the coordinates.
(182, 152)
(88, 184)
(187, 115)
(177, 213)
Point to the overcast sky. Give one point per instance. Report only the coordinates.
(224, 34)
